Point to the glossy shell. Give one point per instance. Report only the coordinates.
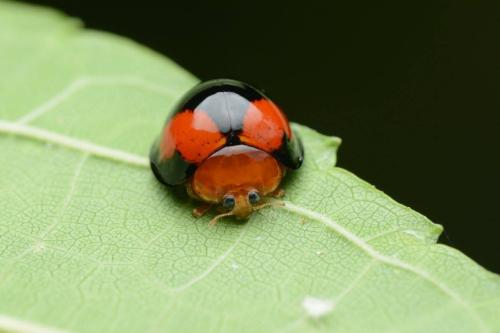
(216, 114)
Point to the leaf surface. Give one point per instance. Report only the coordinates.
(91, 242)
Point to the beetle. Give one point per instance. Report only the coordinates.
(229, 144)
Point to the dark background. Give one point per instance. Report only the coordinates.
(412, 87)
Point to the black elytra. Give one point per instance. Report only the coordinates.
(226, 102)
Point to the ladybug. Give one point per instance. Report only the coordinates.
(229, 144)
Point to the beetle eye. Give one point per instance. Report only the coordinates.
(253, 197)
(228, 201)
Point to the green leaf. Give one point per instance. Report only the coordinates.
(91, 242)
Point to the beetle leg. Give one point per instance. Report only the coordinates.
(270, 203)
(278, 193)
(202, 209)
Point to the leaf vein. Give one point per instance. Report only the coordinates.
(11, 324)
(72, 143)
(89, 81)
(69, 196)
(216, 263)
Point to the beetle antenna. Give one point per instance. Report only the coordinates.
(215, 219)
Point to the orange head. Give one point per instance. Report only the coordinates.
(237, 177)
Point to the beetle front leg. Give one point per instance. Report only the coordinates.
(201, 209)
(278, 193)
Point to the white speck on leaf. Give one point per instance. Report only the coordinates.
(39, 247)
(317, 307)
